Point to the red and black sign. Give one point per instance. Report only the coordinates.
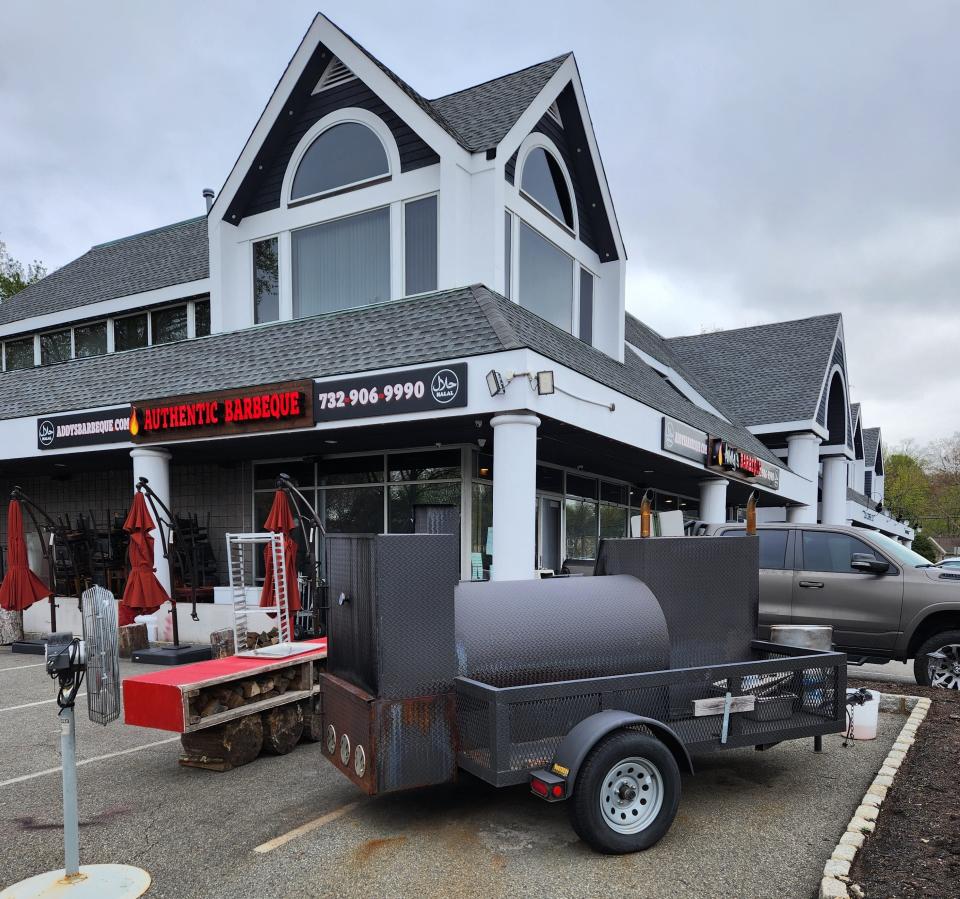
(83, 428)
(274, 407)
(740, 463)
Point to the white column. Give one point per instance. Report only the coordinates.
(514, 496)
(713, 500)
(834, 491)
(154, 464)
(803, 459)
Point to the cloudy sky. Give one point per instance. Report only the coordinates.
(767, 160)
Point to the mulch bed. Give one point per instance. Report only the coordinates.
(915, 850)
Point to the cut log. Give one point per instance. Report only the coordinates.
(251, 689)
(282, 728)
(11, 627)
(223, 747)
(312, 721)
(266, 684)
(132, 637)
(221, 643)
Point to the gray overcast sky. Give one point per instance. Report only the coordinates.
(767, 160)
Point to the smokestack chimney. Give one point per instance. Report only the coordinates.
(208, 195)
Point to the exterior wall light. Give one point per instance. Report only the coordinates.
(544, 382)
(495, 383)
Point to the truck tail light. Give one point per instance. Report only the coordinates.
(548, 786)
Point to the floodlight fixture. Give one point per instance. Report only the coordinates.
(544, 383)
(495, 383)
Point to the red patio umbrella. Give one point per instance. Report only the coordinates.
(280, 521)
(21, 588)
(143, 594)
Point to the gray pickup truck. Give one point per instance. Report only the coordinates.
(883, 600)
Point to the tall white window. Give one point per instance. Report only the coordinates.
(420, 245)
(341, 264)
(545, 283)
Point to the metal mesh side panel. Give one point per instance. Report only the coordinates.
(538, 726)
(708, 588)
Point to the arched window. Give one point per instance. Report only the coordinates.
(837, 412)
(345, 155)
(543, 182)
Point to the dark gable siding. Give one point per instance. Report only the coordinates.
(838, 358)
(595, 230)
(260, 189)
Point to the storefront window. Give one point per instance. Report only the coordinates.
(352, 510)
(266, 281)
(427, 466)
(90, 340)
(352, 470)
(549, 480)
(130, 333)
(581, 517)
(481, 528)
(265, 474)
(483, 466)
(614, 521)
(169, 325)
(55, 347)
(19, 354)
(580, 486)
(404, 500)
(342, 264)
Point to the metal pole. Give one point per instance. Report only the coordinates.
(71, 822)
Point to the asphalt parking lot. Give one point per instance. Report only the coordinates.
(750, 824)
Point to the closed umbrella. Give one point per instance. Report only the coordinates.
(21, 588)
(280, 521)
(143, 593)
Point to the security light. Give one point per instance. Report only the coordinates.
(544, 382)
(495, 383)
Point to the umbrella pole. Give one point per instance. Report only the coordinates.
(302, 505)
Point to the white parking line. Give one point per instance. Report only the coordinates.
(21, 667)
(27, 705)
(96, 758)
(277, 842)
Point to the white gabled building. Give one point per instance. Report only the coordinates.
(384, 259)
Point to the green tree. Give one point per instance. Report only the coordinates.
(906, 486)
(924, 545)
(14, 276)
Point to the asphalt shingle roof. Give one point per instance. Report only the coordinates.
(763, 374)
(483, 114)
(454, 323)
(854, 413)
(871, 442)
(165, 256)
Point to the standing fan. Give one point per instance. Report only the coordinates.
(69, 660)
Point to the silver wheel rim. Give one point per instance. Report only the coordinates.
(943, 667)
(631, 795)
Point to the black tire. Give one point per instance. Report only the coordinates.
(586, 817)
(931, 644)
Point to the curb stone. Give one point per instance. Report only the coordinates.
(864, 818)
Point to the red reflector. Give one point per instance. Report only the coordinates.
(538, 787)
(557, 791)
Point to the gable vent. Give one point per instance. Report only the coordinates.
(554, 113)
(335, 74)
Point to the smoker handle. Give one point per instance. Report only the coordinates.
(812, 585)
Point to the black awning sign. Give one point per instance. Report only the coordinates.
(83, 428)
(394, 393)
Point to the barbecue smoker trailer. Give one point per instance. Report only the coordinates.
(592, 690)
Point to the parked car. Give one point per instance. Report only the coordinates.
(884, 601)
(950, 562)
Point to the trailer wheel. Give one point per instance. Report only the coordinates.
(626, 793)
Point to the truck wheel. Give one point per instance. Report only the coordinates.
(626, 793)
(944, 669)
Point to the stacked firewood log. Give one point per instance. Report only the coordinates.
(214, 700)
(266, 638)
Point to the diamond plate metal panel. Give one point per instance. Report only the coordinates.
(708, 588)
(524, 632)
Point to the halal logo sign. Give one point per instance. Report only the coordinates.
(46, 432)
(445, 386)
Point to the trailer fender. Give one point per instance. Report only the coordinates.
(584, 736)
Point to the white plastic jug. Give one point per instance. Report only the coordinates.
(151, 622)
(864, 716)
